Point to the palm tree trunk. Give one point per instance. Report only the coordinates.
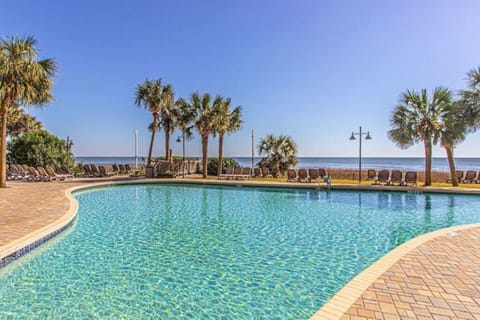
(451, 165)
(428, 162)
(150, 149)
(167, 142)
(3, 144)
(220, 154)
(204, 155)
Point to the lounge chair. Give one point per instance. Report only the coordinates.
(14, 173)
(246, 173)
(257, 172)
(104, 173)
(410, 178)
(266, 173)
(58, 168)
(131, 171)
(88, 170)
(459, 174)
(470, 176)
(66, 170)
(122, 168)
(291, 175)
(322, 173)
(115, 169)
(228, 173)
(302, 175)
(51, 171)
(395, 178)
(371, 174)
(383, 176)
(95, 170)
(313, 175)
(237, 172)
(33, 174)
(44, 176)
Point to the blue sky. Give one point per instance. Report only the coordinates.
(315, 70)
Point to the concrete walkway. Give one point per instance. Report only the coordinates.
(440, 279)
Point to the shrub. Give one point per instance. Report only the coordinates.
(212, 165)
(39, 148)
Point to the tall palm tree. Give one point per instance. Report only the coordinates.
(151, 95)
(280, 152)
(185, 118)
(453, 130)
(418, 119)
(204, 110)
(168, 116)
(226, 121)
(23, 80)
(470, 99)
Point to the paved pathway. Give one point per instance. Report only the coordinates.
(440, 279)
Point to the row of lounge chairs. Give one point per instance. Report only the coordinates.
(245, 173)
(237, 173)
(307, 175)
(92, 170)
(394, 177)
(26, 173)
(470, 176)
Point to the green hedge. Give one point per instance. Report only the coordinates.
(212, 165)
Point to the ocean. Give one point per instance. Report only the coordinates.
(417, 164)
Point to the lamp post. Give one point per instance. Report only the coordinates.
(136, 148)
(182, 139)
(367, 137)
(253, 150)
(68, 145)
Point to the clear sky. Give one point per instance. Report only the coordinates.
(315, 70)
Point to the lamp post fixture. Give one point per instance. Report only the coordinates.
(135, 132)
(253, 151)
(68, 144)
(367, 137)
(182, 140)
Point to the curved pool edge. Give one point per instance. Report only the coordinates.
(335, 307)
(341, 302)
(19, 247)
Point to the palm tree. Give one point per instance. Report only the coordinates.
(204, 111)
(152, 95)
(19, 121)
(418, 119)
(185, 118)
(453, 130)
(226, 121)
(168, 116)
(280, 152)
(23, 80)
(470, 99)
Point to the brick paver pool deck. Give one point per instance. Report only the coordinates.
(438, 279)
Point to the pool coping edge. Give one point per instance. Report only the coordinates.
(341, 302)
(19, 247)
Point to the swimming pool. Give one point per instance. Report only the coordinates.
(187, 251)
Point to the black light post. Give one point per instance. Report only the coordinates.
(367, 137)
(182, 139)
(253, 151)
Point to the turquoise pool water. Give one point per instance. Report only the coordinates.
(196, 252)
